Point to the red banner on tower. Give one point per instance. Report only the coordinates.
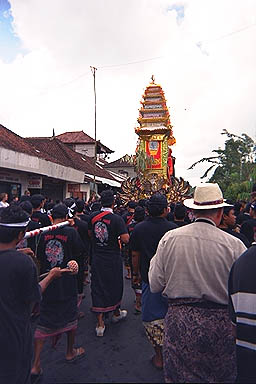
(154, 151)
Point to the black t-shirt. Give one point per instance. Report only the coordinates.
(128, 217)
(242, 217)
(240, 236)
(56, 249)
(18, 289)
(106, 227)
(248, 229)
(41, 218)
(84, 217)
(180, 223)
(242, 293)
(145, 238)
(82, 228)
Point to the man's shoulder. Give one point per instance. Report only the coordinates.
(17, 258)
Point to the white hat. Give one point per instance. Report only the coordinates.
(206, 196)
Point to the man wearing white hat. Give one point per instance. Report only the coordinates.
(191, 267)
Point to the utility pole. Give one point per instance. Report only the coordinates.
(94, 69)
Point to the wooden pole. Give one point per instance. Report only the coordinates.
(94, 69)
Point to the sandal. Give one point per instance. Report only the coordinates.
(78, 355)
(100, 331)
(35, 377)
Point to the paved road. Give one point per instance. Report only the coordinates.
(121, 356)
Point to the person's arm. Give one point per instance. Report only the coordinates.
(53, 274)
(156, 274)
(232, 313)
(125, 238)
(136, 278)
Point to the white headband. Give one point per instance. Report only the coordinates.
(71, 210)
(24, 224)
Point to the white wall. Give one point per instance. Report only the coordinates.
(22, 162)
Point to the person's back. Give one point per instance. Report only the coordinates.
(18, 289)
(202, 250)
(191, 268)
(242, 291)
(56, 249)
(145, 238)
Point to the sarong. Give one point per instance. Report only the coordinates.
(198, 343)
(154, 308)
(56, 318)
(106, 282)
(155, 332)
(44, 332)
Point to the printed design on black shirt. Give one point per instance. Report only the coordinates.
(101, 233)
(54, 252)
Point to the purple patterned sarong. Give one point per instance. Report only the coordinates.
(198, 343)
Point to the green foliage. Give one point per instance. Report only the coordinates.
(234, 166)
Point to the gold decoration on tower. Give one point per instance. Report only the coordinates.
(154, 162)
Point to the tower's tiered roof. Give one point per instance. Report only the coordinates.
(154, 115)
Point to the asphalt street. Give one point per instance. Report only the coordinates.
(122, 355)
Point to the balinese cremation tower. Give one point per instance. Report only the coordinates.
(155, 134)
(154, 162)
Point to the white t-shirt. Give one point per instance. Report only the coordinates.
(3, 204)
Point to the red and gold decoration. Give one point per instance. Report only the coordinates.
(154, 162)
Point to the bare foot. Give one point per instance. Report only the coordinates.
(157, 362)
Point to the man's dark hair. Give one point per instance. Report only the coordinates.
(12, 215)
(26, 206)
(107, 198)
(180, 211)
(139, 214)
(157, 204)
(96, 206)
(36, 200)
(59, 211)
(24, 198)
(80, 205)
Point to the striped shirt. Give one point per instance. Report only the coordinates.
(242, 304)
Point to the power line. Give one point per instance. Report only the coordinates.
(131, 63)
(64, 84)
(226, 35)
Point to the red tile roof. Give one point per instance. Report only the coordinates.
(60, 153)
(51, 149)
(76, 137)
(80, 137)
(10, 140)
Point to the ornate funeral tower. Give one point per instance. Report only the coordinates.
(154, 163)
(154, 154)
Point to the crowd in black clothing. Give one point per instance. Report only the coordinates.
(96, 229)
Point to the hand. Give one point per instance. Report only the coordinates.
(136, 279)
(27, 251)
(71, 222)
(55, 273)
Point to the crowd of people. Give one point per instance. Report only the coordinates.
(191, 267)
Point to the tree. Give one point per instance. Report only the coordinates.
(234, 166)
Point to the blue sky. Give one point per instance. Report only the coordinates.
(10, 44)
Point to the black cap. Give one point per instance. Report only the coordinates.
(158, 200)
(59, 211)
(107, 198)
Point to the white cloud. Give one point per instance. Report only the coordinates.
(205, 93)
